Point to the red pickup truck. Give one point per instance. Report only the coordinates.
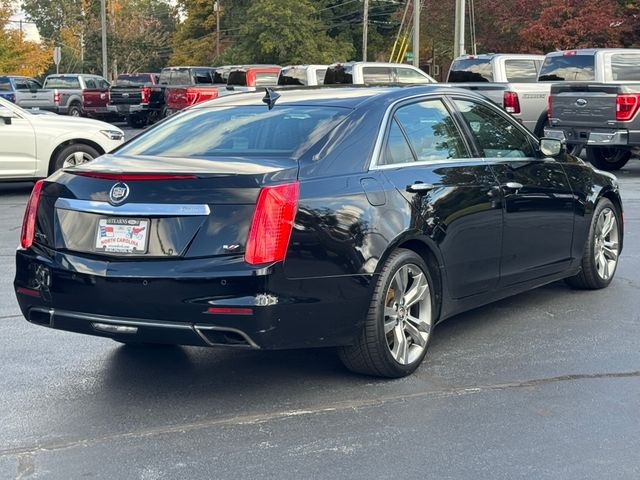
(138, 97)
(250, 77)
(188, 86)
(95, 98)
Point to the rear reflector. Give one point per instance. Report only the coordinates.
(136, 176)
(29, 220)
(230, 310)
(511, 102)
(28, 291)
(627, 105)
(272, 223)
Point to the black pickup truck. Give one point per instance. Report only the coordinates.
(596, 105)
(138, 97)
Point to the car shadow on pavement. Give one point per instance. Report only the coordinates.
(15, 188)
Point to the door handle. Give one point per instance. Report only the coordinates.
(420, 187)
(512, 186)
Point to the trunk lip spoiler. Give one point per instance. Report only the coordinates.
(134, 209)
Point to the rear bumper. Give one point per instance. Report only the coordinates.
(597, 137)
(127, 109)
(171, 305)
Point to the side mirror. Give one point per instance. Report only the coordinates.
(6, 120)
(552, 147)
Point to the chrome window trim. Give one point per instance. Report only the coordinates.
(133, 209)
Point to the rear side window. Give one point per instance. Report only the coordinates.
(377, 75)
(625, 67)
(90, 83)
(202, 76)
(62, 83)
(33, 85)
(497, 136)
(397, 150)
(266, 79)
(339, 74)
(430, 132)
(560, 68)
(521, 71)
(5, 83)
(244, 131)
(471, 70)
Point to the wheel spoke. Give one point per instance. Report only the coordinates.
(400, 350)
(608, 224)
(78, 158)
(419, 338)
(417, 291)
(419, 324)
(401, 280)
(609, 253)
(600, 264)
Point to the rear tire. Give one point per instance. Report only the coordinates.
(75, 154)
(75, 110)
(397, 330)
(608, 158)
(600, 257)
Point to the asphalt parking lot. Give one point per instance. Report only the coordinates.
(545, 385)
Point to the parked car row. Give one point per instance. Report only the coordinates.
(588, 97)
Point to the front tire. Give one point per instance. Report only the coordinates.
(72, 155)
(600, 257)
(608, 158)
(397, 330)
(75, 110)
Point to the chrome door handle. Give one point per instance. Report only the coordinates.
(515, 186)
(420, 187)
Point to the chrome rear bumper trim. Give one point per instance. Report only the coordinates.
(134, 209)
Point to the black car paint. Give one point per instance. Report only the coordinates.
(350, 218)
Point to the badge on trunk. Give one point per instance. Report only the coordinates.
(119, 192)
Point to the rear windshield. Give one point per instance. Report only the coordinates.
(244, 131)
(62, 83)
(625, 67)
(239, 77)
(133, 80)
(521, 71)
(338, 75)
(5, 83)
(292, 76)
(471, 70)
(179, 76)
(560, 68)
(266, 79)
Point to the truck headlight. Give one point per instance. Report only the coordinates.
(113, 134)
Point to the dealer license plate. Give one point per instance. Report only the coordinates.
(122, 235)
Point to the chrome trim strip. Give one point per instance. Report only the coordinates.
(251, 343)
(116, 321)
(134, 209)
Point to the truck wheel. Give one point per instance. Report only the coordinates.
(75, 110)
(73, 155)
(608, 158)
(136, 121)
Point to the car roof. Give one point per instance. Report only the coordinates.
(593, 51)
(489, 56)
(348, 96)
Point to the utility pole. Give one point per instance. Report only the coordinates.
(103, 14)
(458, 46)
(216, 8)
(365, 29)
(416, 33)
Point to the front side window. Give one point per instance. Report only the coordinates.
(409, 75)
(377, 75)
(238, 131)
(496, 135)
(521, 71)
(21, 84)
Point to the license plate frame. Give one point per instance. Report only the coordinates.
(122, 235)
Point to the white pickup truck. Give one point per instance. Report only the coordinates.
(306, 75)
(374, 73)
(510, 81)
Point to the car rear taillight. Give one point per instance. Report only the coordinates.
(56, 97)
(146, 94)
(29, 222)
(550, 108)
(627, 105)
(272, 223)
(192, 97)
(511, 102)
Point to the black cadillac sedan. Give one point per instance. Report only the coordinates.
(348, 217)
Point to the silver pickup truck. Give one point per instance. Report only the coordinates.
(596, 105)
(61, 93)
(508, 80)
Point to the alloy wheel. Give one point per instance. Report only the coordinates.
(606, 247)
(407, 314)
(76, 158)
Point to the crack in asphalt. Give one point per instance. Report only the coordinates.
(23, 453)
